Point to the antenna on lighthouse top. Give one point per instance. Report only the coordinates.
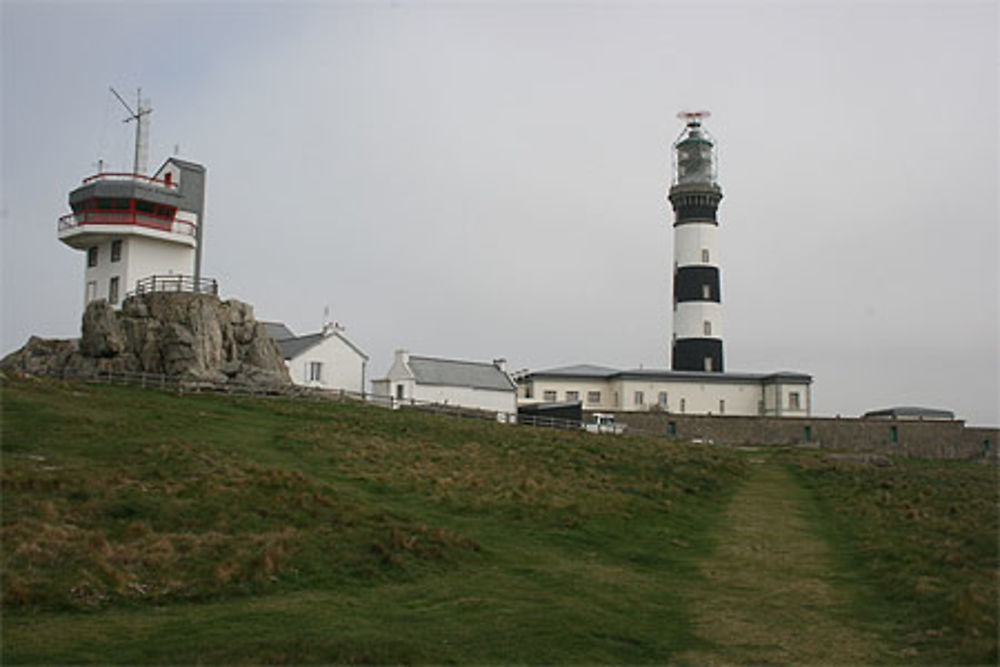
(141, 129)
(693, 116)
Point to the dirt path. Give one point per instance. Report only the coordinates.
(770, 597)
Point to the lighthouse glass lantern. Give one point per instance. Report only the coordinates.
(694, 156)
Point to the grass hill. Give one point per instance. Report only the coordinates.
(147, 526)
(337, 533)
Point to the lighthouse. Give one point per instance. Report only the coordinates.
(138, 232)
(695, 194)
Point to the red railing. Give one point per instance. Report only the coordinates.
(74, 220)
(122, 176)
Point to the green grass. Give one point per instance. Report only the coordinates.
(922, 536)
(141, 526)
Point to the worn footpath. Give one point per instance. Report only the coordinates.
(772, 594)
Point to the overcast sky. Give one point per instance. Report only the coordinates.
(487, 179)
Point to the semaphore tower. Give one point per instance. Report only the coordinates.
(697, 303)
(140, 233)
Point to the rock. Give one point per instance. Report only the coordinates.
(102, 334)
(184, 335)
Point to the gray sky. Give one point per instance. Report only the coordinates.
(487, 179)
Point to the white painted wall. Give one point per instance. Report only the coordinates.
(468, 397)
(690, 239)
(145, 252)
(741, 397)
(342, 366)
(560, 386)
(690, 317)
(151, 256)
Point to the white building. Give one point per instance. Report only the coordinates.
(138, 232)
(324, 360)
(684, 392)
(469, 384)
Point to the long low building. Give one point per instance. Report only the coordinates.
(782, 394)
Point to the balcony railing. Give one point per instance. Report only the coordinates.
(122, 176)
(74, 220)
(176, 283)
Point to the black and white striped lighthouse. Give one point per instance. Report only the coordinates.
(695, 195)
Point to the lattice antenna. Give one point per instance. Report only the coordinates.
(141, 118)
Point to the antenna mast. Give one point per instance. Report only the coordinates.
(141, 129)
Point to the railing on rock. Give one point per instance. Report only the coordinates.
(176, 283)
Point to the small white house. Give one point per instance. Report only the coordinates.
(468, 384)
(324, 360)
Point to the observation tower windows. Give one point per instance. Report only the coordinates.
(92, 256)
(116, 250)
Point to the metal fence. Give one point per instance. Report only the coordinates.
(176, 283)
(186, 385)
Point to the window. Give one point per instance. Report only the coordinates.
(113, 290)
(706, 292)
(708, 326)
(168, 178)
(92, 256)
(671, 428)
(639, 398)
(572, 396)
(91, 290)
(528, 393)
(315, 371)
(704, 256)
(722, 406)
(683, 405)
(593, 397)
(399, 391)
(662, 401)
(549, 395)
(894, 434)
(793, 400)
(708, 364)
(116, 251)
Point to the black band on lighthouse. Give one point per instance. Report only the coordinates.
(697, 354)
(697, 283)
(693, 211)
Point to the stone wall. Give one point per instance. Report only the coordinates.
(903, 437)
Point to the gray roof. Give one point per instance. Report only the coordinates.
(577, 371)
(912, 412)
(278, 330)
(604, 373)
(453, 373)
(293, 347)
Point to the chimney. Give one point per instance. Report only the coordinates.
(501, 364)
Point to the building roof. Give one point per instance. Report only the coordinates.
(278, 330)
(576, 371)
(911, 412)
(451, 372)
(292, 345)
(590, 371)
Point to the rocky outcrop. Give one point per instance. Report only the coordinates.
(183, 335)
